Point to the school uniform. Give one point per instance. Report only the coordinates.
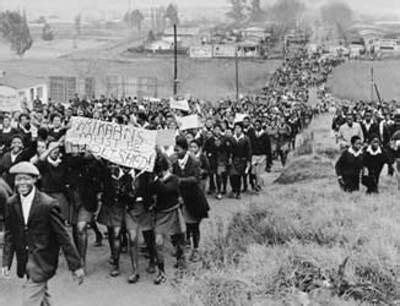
(373, 161)
(349, 167)
(53, 182)
(261, 151)
(241, 157)
(195, 204)
(167, 213)
(369, 129)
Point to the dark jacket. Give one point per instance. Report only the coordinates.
(37, 244)
(368, 132)
(261, 145)
(53, 178)
(190, 190)
(166, 192)
(86, 175)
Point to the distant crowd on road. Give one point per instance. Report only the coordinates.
(225, 157)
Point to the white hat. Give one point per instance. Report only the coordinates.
(24, 168)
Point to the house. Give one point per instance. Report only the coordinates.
(27, 88)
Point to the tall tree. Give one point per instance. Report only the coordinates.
(238, 11)
(137, 19)
(14, 27)
(339, 15)
(47, 32)
(256, 12)
(286, 13)
(171, 13)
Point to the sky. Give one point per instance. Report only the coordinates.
(68, 8)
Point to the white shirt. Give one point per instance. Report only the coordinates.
(26, 203)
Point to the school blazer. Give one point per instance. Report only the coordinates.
(37, 244)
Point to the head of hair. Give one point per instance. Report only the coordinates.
(181, 141)
(161, 163)
(354, 139)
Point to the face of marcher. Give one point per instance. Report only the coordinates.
(6, 123)
(194, 148)
(24, 121)
(238, 130)
(375, 143)
(368, 117)
(16, 145)
(349, 119)
(55, 154)
(24, 183)
(357, 145)
(41, 147)
(257, 126)
(180, 152)
(189, 137)
(57, 122)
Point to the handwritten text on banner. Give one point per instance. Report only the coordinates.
(121, 144)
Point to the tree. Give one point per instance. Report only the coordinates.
(47, 32)
(151, 37)
(286, 14)
(256, 12)
(239, 10)
(14, 27)
(172, 14)
(338, 15)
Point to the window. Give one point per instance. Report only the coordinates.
(39, 92)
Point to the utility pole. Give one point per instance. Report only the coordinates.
(237, 74)
(372, 83)
(175, 61)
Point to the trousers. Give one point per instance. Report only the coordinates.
(35, 294)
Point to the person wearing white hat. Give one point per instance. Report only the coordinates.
(35, 231)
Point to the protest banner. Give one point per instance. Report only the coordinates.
(180, 104)
(121, 144)
(9, 100)
(189, 122)
(166, 138)
(240, 117)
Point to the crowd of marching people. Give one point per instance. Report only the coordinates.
(368, 135)
(223, 158)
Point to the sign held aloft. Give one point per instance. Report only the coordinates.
(179, 104)
(189, 122)
(121, 144)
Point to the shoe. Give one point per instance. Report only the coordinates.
(223, 192)
(210, 192)
(98, 243)
(133, 279)
(115, 272)
(237, 196)
(219, 196)
(195, 256)
(161, 278)
(124, 249)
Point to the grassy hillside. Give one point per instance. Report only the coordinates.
(206, 79)
(352, 80)
(306, 243)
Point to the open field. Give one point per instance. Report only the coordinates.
(352, 80)
(206, 79)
